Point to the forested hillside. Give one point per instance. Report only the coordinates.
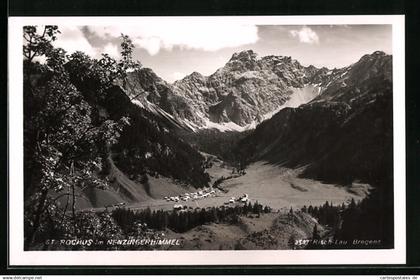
(75, 118)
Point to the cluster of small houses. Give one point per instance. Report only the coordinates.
(201, 194)
(244, 198)
(206, 192)
(118, 205)
(179, 207)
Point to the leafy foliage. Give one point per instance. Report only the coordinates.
(65, 139)
(76, 117)
(38, 44)
(127, 62)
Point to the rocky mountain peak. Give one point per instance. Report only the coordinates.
(248, 86)
(248, 55)
(147, 72)
(376, 63)
(378, 53)
(373, 56)
(195, 76)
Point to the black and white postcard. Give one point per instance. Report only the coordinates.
(207, 140)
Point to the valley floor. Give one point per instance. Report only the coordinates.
(280, 187)
(270, 185)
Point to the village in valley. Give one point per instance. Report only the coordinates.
(202, 194)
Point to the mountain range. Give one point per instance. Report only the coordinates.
(344, 134)
(337, 123)
(246, 90)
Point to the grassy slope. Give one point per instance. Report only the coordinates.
(124, 190)
(270, 231)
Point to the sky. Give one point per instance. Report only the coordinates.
(176, 49)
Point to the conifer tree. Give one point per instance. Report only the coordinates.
(315, 233)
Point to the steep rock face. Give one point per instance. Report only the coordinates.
(342, 135)
(231, 108)
(148, 89)
(349, 84)
(247, 87)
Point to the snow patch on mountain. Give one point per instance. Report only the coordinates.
(246, 90)
(298, 97)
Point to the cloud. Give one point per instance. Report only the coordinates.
(112, 51)
(305, 35)
(201, 35)
(72, 39)
(151, 44)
